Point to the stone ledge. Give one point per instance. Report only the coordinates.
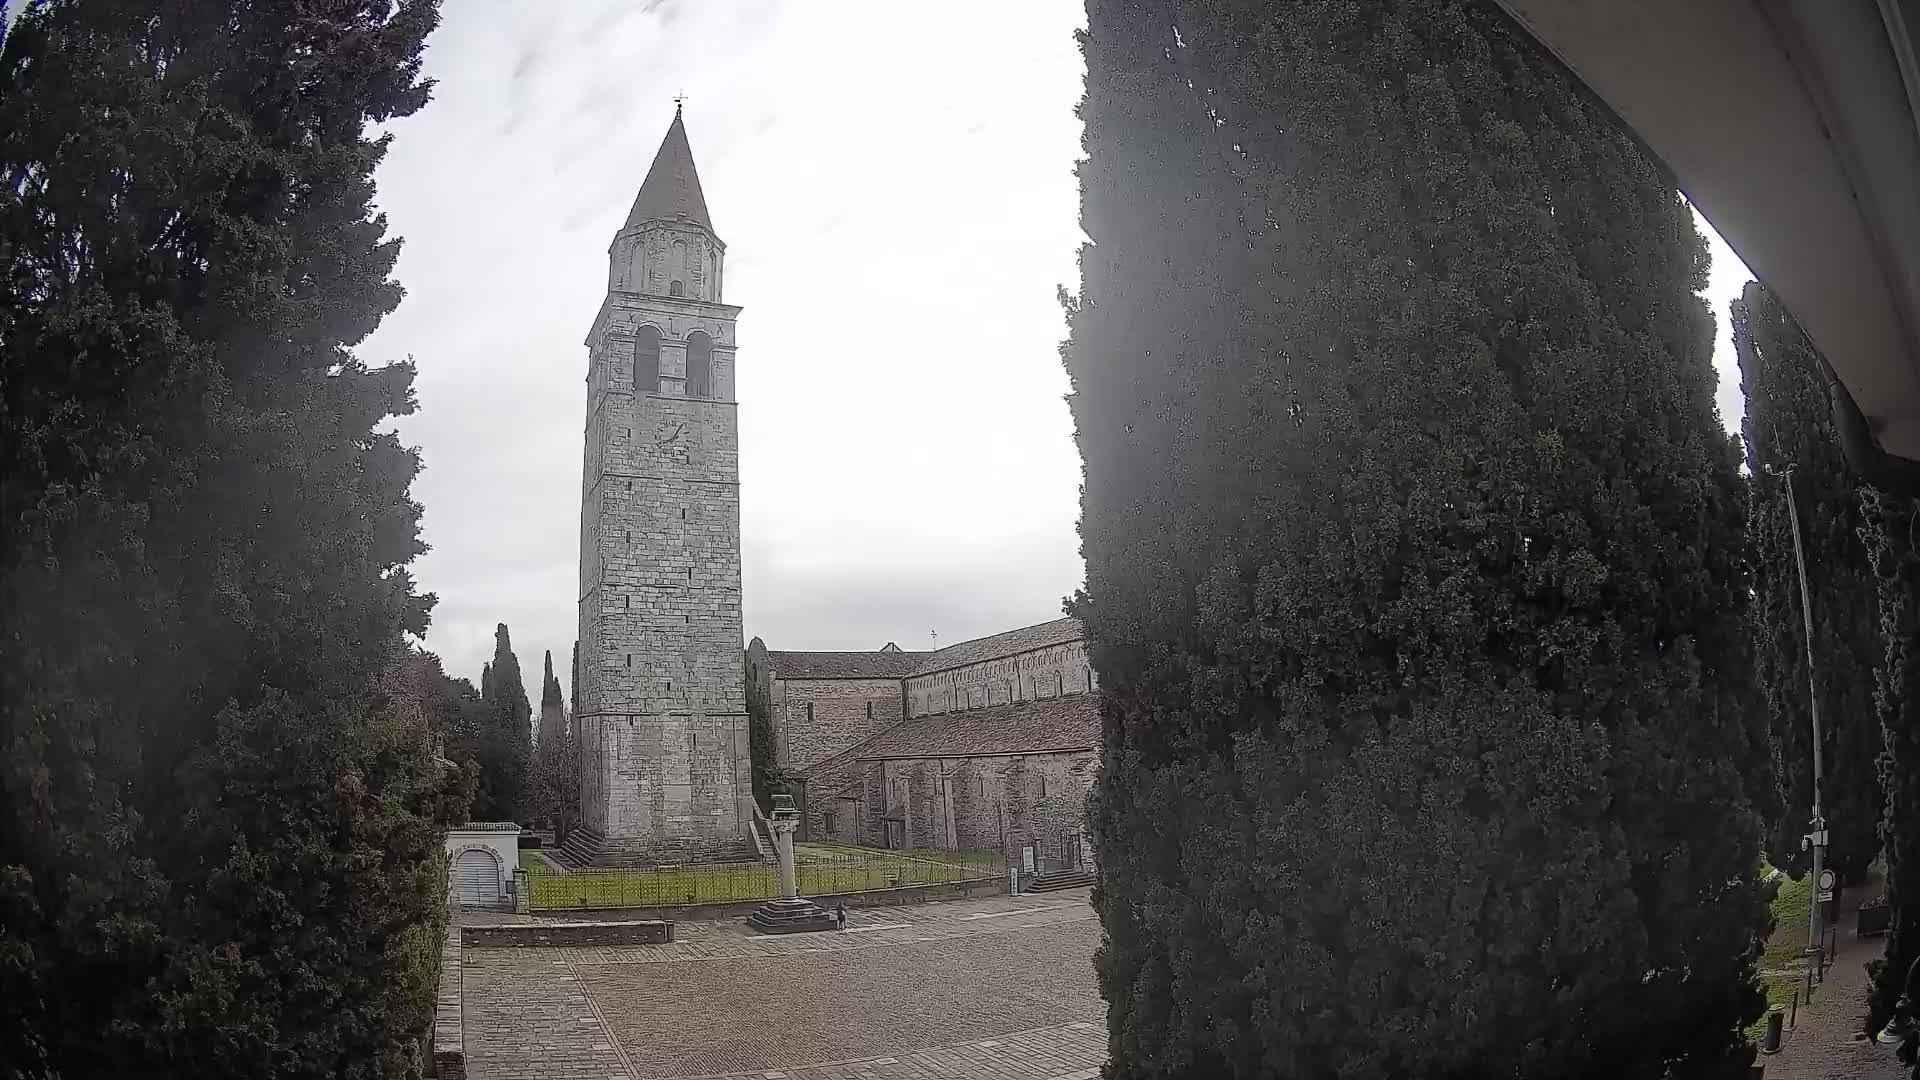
(449, 1033)
(604, 932)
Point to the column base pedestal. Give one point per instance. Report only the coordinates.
(792, 915)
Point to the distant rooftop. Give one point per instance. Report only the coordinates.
(979, 650)
(1051, 725)
(889, 663)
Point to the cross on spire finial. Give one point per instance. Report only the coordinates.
(678, 100)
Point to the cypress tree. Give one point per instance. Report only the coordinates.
(554, 781)
(1789, 422)
(504, 748)
(219, 846)
(1411, 536)
(761, 751)
(1893, 523)
(553, 720)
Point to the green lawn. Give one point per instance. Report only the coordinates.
(532, 863)
(1790, 911)
(822, 872)
(1781, 973)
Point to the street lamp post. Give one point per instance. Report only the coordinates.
(1815, 841)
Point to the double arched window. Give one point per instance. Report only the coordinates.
(646, 360)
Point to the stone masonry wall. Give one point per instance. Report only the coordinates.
(547, 932)
(662, 706)
(977, 804)
(814, 719)
(1027, 676)
(674, 783)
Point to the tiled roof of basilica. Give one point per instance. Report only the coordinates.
(843, 665)
(1050, 725)
(980, 650)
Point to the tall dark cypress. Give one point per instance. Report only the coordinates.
(1789, 422)
(219, 849)
(1411, 537)
(505, 750)
(1893, 525)
(761, 750)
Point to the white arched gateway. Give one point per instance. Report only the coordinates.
(476, 877)
(481, 856)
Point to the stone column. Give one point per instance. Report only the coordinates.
(783, 825)
(791, 913)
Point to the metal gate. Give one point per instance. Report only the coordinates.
(477, 879)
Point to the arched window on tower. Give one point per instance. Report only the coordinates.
(699, 365)
(646, 360)
(678, 288)
(677, 266)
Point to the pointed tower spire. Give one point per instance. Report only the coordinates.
(672, 188)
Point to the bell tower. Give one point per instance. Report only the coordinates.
(663, 720)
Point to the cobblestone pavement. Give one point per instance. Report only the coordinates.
(988, 988)
(1822, 1046)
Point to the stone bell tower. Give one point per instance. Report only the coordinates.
(663, 720)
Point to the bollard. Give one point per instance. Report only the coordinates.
(1776, 1021)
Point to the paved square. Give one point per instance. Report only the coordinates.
(1000, 988)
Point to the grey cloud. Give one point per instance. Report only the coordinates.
(907, 463)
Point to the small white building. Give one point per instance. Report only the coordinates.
(481, 857)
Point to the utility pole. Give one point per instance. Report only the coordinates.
(1815, 841)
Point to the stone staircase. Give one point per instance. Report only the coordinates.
(1055, 880)
(584, 847)
(587, 849)
(762, 836)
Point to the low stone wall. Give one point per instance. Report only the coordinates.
(905, 894)
(449, 1036)
(546, 932)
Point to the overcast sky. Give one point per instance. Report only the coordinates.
(894, 182)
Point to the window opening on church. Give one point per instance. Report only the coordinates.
(646, 360)
(629, 659)
(699, 365)
(626, 602)
(678, 288)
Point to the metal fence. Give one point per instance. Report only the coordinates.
(820, 872)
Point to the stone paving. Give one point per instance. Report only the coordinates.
(1821, 1045)
(999, 988)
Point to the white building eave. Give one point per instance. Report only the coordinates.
(1794, 127)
